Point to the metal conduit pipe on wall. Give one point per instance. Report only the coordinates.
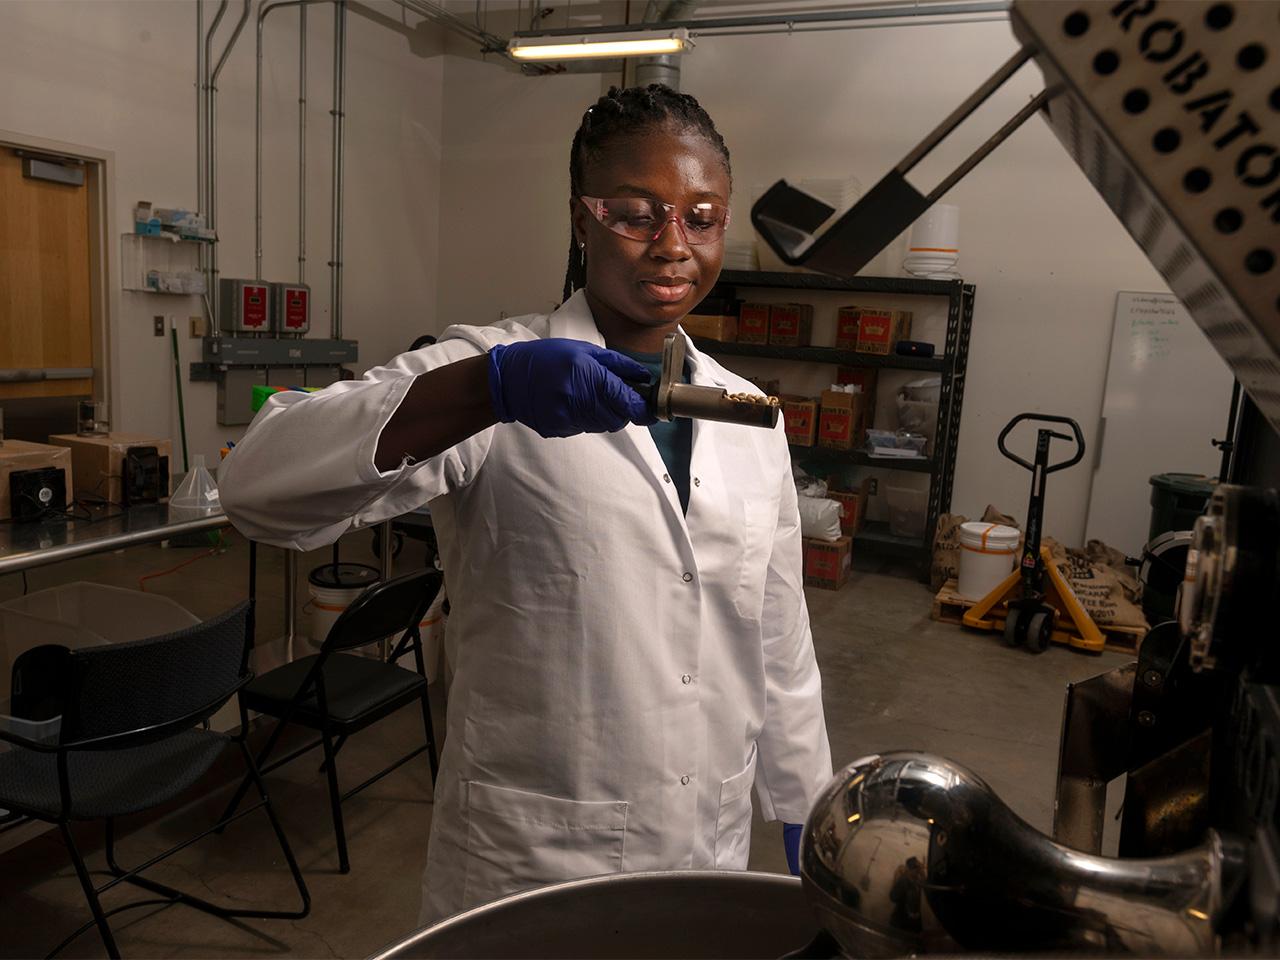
(339, 100)
(302, 144)
(263, 10)
(212, 173)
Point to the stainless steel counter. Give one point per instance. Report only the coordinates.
(27, 545)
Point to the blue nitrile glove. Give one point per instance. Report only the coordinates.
(562, 387)
(791, 843)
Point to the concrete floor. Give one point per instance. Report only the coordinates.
(892, 679)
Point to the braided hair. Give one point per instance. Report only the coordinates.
(623, 113)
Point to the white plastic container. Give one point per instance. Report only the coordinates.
(988, 552)
(102, 613)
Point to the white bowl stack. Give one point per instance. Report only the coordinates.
(740, 254)
(934, 248)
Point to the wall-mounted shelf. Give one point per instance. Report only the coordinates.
(149, 264)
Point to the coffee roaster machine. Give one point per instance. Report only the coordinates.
(1172, 110)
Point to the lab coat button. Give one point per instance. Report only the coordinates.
(666, 478)
(684, 781)
(686, 679)
(687, 577)
(697, 482)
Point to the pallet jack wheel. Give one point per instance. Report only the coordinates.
(1011, 638)
(1040, 630)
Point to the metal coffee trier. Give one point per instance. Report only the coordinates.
(669, 398)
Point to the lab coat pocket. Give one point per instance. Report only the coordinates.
(733, 821)
(759, 519)
(517, 840)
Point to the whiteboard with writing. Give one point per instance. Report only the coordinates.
(1167, 396)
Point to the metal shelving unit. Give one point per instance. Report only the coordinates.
(951, 364)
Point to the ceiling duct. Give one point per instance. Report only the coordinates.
(664, 68)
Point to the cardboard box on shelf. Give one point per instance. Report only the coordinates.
(840, 420)
(827, 562)
(100, 462)
(853, 506)
(770, 388)
(880, 330)
(867, 378)
(791, 324)
(722, 328)
(800, 420)
(19, 455)
(847, 328)
(753, 323)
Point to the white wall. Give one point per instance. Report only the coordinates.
(118, 75)
(1045, 253)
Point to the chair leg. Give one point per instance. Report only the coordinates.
(337, 748)
(431, 736)
(335, 802)
(298, 881)
(241, 790)
(86, 884)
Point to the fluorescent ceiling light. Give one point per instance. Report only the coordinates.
(639, 44)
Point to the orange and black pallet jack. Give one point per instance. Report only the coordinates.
(1034, 604)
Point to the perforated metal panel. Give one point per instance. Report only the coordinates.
(1172, 109)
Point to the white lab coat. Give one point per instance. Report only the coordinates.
(624, 673)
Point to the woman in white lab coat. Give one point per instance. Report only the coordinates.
(629, 633)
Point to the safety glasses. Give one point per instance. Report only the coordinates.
(644, 219)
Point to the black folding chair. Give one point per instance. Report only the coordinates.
(134, 734)
(339, 694)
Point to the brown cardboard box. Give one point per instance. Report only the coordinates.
(847, 328)
(853, 506)
(840, 420)
(827, 562)
(867, 378)
(791, 324)
(98, 461)
(753, 323)
(880, 330)
(724, 329)
(800, 420)
(16, 455)
(770, 388)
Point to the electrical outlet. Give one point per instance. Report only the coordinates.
(158, 325)
(874, 488)
(198, 327)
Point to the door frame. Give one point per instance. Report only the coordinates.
(104, 296)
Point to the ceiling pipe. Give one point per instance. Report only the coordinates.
(665, 68)
(901, 10)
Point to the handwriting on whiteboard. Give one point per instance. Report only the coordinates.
(1153, 321)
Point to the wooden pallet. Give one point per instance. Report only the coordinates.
(949, 607)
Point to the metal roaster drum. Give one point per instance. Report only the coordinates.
(688, 913)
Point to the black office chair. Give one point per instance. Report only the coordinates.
(134, 735)
(340, 694)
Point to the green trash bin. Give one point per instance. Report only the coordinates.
(1176, 500)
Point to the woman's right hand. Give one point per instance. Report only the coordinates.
(561, 387)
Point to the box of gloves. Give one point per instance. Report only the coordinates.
(827, 562)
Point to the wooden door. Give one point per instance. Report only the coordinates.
(45, 315)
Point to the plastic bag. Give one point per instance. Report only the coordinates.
(819, 518)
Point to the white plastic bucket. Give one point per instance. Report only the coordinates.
(988, 552)
(333, 588)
